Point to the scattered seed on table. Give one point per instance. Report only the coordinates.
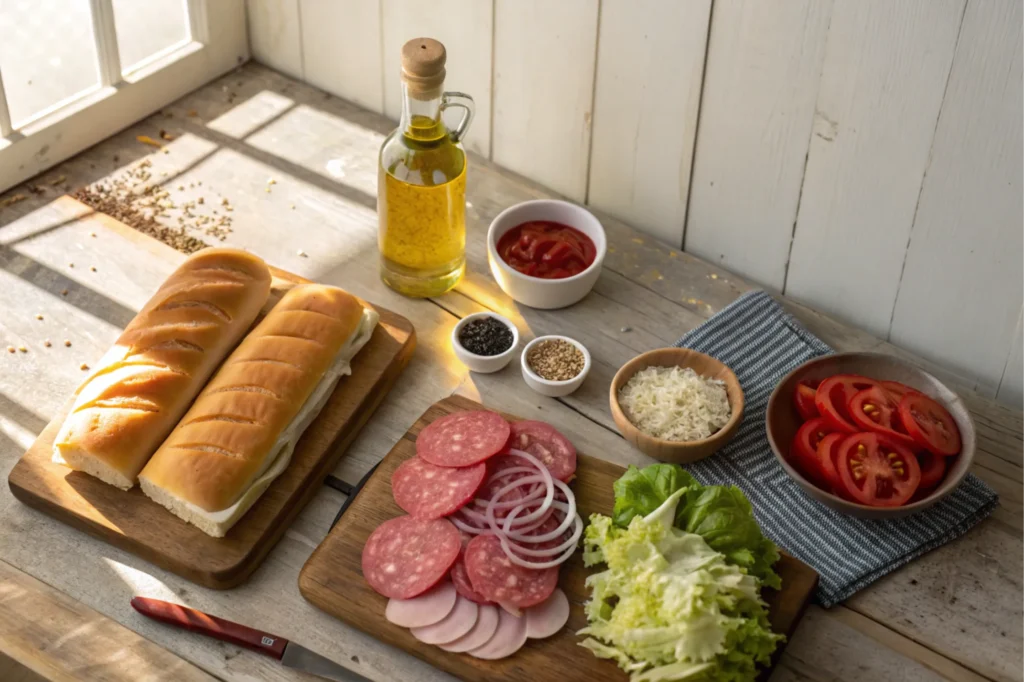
(47, 343)
(302, 253)
(92, 234)
(11, 349)
(39, 316)
(71, 265)
(23, 349)
(626, 329)
(83, 366)
(555, 360)
(93, 268)
(63, 292)
(67, 343)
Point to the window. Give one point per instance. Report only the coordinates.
(73, 72)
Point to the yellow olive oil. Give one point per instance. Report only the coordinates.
(421, 188)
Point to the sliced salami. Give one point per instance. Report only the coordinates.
(494, 481)
(497, 579)
(428, 491)
(545, 443)
(404, 557)
(463, 438)
(462, 584)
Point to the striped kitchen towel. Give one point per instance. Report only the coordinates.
(762, 343)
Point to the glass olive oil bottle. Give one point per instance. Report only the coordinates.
(421, 188)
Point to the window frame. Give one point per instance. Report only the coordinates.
(219, 43)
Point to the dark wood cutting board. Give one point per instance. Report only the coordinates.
(133, 522)
(332, 579)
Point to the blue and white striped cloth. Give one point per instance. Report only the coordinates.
(762, 343)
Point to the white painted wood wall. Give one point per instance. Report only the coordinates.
(863, 156)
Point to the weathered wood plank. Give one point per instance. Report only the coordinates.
(58, 638)
(1011, 388)
(544, 56)
(650, 63)
(760, 85)
(341, 49)
(883, 76)
(967, 239)
(275, 34)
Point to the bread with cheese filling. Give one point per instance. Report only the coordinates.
(144, 384)
(240, 433)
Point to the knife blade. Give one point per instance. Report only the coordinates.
(290, 654)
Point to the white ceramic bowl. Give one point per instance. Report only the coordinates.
(554, 389)
(534, 291)
(484, 364)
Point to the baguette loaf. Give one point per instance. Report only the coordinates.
(142, 386)
(240, 433)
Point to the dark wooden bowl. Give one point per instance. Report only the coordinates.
(782, 421)
(680, 452)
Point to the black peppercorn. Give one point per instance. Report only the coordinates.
(486, 336)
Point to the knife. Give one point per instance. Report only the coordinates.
(290, 654)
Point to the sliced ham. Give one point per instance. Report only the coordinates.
(453, 626)
(507, 639)
(486, 624)
(548, 617)
(428, 608)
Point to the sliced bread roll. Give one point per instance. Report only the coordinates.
(240, 433)
(142, 386)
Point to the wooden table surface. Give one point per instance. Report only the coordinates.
(955, 613)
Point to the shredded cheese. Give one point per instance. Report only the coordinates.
(674, 403)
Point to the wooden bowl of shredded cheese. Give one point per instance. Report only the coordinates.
(676, 405)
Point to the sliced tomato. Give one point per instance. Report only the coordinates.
(834, 395)
(876, 471)
(875, 409)
(897, 389)
(929, 424)
(933, 468)
(805, 449)
(803, 398)
(828, 448)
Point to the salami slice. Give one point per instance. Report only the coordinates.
(463, 438)
(462, 584)
(493, 482)
(427, 491)
(545, 443)
(498, 579)
(460, 579)
(404, 557)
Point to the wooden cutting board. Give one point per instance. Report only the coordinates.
(332, 579)
(133, 522)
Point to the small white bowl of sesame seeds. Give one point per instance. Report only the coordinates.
(555, 365)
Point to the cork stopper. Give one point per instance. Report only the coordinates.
(423, 67)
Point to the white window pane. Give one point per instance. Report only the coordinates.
(145, 27)
(47, 53)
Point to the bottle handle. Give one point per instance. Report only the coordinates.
(459, 100)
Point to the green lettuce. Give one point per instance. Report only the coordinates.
(669, 607)
(721, 515)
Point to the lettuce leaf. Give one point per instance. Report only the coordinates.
(669, 607)
(721, 515)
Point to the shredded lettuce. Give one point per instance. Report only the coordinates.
(721, 515)
(669, 607)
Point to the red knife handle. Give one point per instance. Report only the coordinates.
(205, 624)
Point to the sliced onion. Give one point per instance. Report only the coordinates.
(569, 509)
(466, 528)
(571, 542)
(536, 565)
(549, 497)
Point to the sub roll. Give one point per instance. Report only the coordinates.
(240, 433)
(146, 382)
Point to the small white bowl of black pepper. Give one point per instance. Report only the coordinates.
(554, 365)
(485, 342)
